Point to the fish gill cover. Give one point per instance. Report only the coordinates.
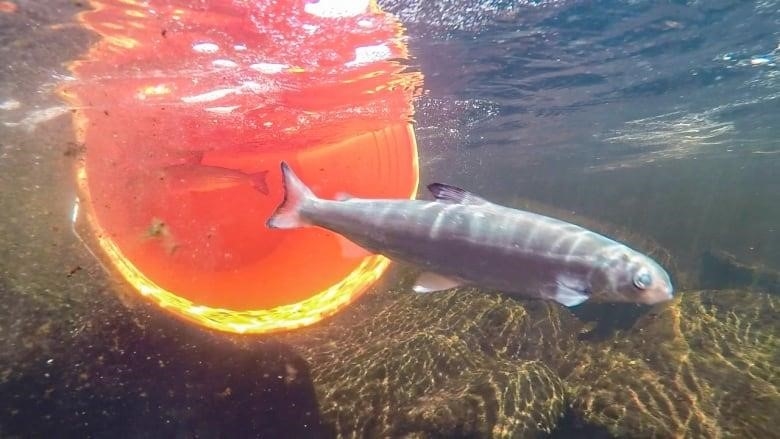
(185, 110)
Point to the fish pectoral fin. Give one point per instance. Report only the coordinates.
(569, 295)
(351, 250)
(429, 282)
(455, 195)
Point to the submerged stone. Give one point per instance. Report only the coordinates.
(707, 365)
(459, 363)
(722, 270)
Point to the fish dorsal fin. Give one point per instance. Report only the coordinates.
(453, 194)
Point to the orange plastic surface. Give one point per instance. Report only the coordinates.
(182, 106)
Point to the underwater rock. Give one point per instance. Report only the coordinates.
(459, 363)
(707, 365)
(720, 269)
(498, 399)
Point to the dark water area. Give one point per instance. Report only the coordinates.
(654, 122)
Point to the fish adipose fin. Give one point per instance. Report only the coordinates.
(567, 293)
(430, 282)
(453, 194)
(287, 215)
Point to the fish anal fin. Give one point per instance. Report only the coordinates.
(429, 282)
(351, 250)
(453, 194)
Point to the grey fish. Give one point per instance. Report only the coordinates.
(462, 239)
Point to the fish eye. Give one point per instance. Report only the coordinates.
(642, 279)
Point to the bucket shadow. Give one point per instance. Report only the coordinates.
(126, 373)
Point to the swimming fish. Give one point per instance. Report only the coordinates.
(202, 178)
(462, 239)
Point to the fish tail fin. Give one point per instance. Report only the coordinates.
(287, 215)
(258, 181)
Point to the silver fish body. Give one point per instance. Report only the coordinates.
(463, 239)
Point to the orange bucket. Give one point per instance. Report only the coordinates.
(185, 113)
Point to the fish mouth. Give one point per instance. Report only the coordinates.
(663, 294)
